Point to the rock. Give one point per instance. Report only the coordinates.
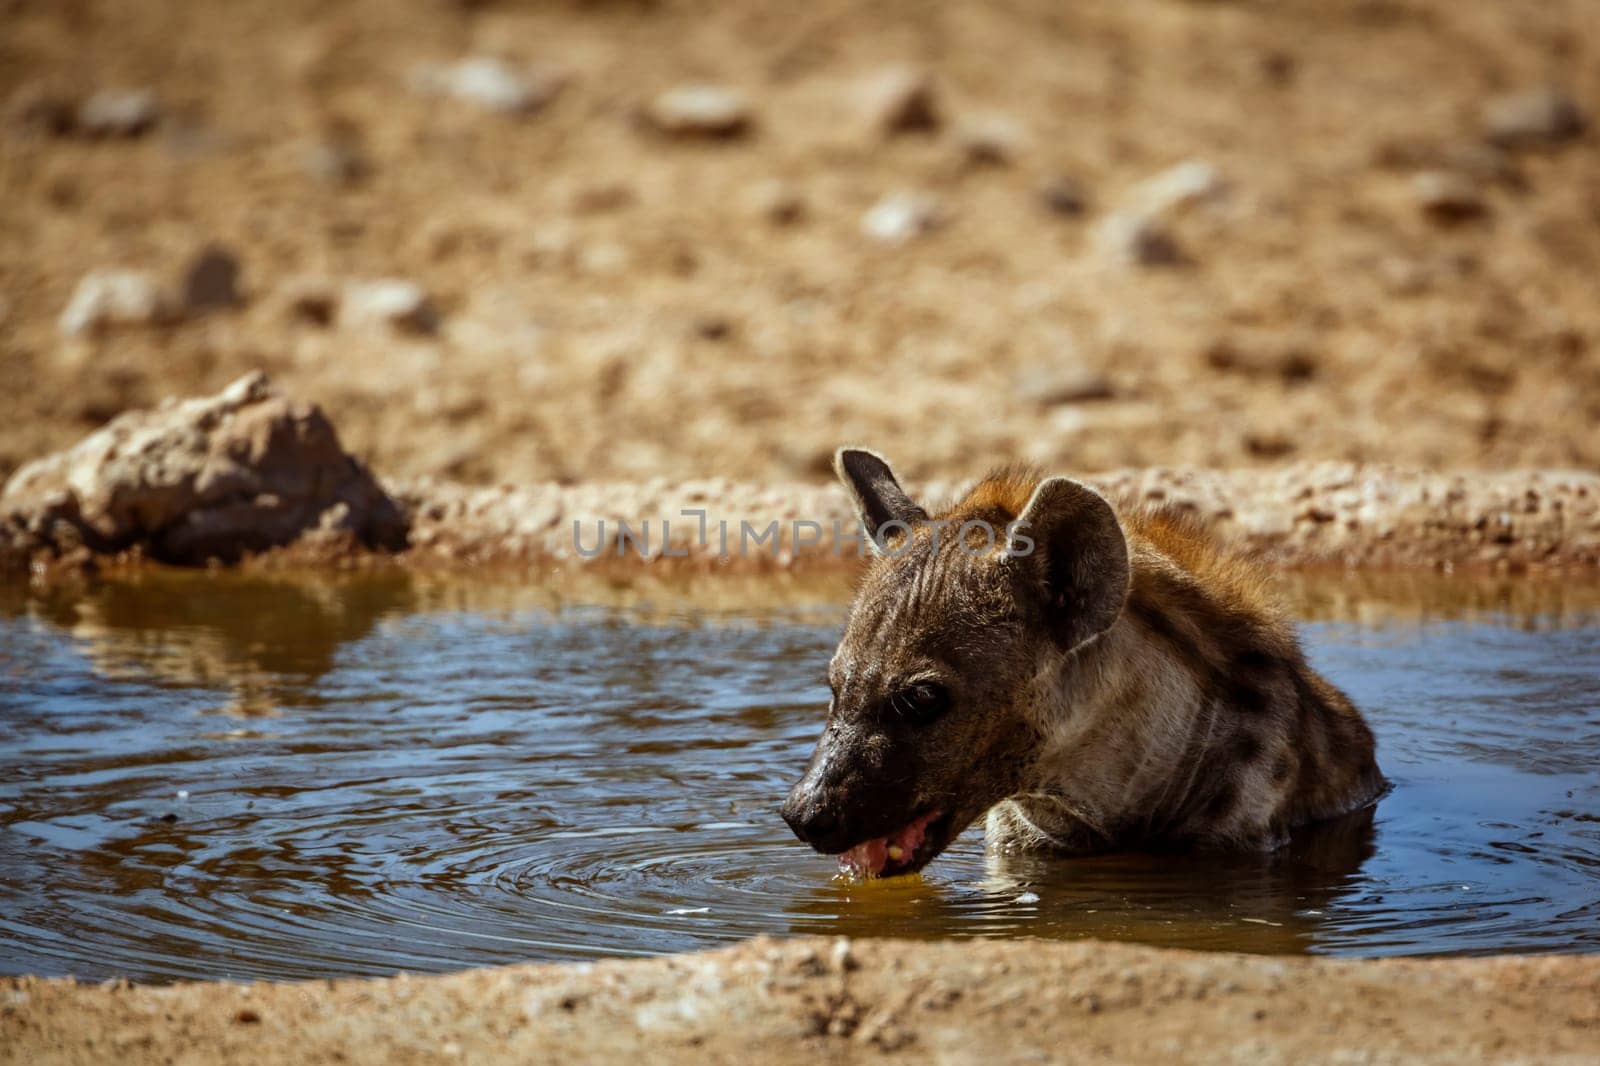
(700, 111)
(1063, 195)
(713, 327)
(990, 140)
(244, 470)
(1178, 189)
(1533, 118)
(900, 100)
(1135, 238)
(106, 299)
(778, 202)
(900, 217)
(339, 156)
(1448, 197)
(603, 198)
(1141, 233)
(1268, 445)
(119, 113)
(394, 302)
(492, 84)
(211, 282)
(312, 300)
(46, 109)
(1485, 162)
(1054, 384)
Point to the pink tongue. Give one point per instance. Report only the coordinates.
(870, 858)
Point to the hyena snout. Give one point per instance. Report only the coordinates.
(828, 806)
(813, 820)
(813, 810)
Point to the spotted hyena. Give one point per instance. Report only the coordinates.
(1098, 679)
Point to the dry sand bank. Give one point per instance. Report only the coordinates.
(806, 1001)
(249, 471)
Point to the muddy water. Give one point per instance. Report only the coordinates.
(208, 777)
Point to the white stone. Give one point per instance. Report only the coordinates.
(991, 139)
(1533, 117)
(108, 298)
(393, 302)
(1178, 189)
(491, 84)
(1137, 238)
(901, 217)
(700, 111)
(118, 113)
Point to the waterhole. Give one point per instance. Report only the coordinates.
(224, 777)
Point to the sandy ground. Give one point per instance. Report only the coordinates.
(241, 474)
(1300, 516)
(614, 303)
(806, 1001)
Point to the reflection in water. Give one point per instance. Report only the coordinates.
(1269, 904)
(456, 774)
(257, 637)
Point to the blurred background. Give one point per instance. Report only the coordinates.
(509, 240)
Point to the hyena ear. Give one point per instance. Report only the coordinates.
(1078, 562)
(878, 497)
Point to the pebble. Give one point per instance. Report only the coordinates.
(109, 298)
(311, 300)
(990, 140)
(1533, 118)
(1448, 197)
(1137, 238)
(43, 109)
(603, 198)
(1141, 234)
(212, 281)
(703, 111)
(119, 113)
(900, 217)
(1053, 384)
(778, 201)
(713, 327)
(401, 305)
(1486, 162)
(492, 84)
(1063, 195)
(1180, 188)
(901, 100)
(339, 156)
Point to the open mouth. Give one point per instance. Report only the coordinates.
(901, 852)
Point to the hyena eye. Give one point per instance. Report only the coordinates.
(922, 703)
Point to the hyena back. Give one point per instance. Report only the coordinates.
(1123, 684)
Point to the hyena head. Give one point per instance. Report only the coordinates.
(941, 683)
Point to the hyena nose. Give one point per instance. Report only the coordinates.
(812, 822)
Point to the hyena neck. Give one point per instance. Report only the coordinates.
(1194, 720)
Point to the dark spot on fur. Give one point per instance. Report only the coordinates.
(1256, 660)
(1246, 747)
(1161, 625)
(1245, 695)
(1282, 768)
(1221, 804)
